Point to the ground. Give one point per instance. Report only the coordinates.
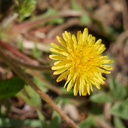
(26, 39)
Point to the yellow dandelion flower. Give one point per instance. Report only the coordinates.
(80, 59)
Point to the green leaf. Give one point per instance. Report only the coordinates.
(62, 99)
(56, 120)
(36, 52)
(57, 20)
(42, 119)
(12, 123)
(101, 97)
(95, 109)
(25, 8)
(34, 96)
(85, 19)
(25, 98)
(48, 77)
(120, 109)
(75, 6)
(88, 122)
(118, 123)
(117, 90)
(10, 87)
(50, 12)
(41, 84)
(20, 45)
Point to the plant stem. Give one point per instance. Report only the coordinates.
(28, 81)
(48, 84)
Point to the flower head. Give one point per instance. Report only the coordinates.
(80, 59)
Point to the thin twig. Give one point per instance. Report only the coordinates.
(53, 88)
(64, 13)
(17, 53)
(28, 65)
(29, 24)
(44, 96)
(25, 61)
(48, 84)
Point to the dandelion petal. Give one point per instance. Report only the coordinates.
(80, 60)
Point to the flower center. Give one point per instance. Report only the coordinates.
(80, 60)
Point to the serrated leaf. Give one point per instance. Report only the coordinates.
(101, 97)
(117, 90)
(118, 123)
(120, 110)
(10, 87)
(87, 123)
